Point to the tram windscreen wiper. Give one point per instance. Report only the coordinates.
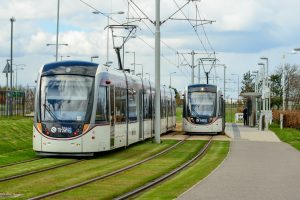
(50, 112)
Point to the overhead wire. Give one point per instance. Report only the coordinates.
(146, 17)
(204, 31)
(191, 25)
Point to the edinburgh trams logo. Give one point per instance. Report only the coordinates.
(61, 130)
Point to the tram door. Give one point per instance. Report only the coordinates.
(112, 115)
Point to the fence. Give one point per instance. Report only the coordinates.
(233, 106)
(18, 103)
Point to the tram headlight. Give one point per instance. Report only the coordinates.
(85, 128)
(39, 127)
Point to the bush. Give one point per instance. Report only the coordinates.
(291, 119)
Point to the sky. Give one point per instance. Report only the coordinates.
(242, 32)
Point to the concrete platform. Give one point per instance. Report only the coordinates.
(240, 132)
(258, 166)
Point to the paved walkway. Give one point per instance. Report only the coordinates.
(258, 166)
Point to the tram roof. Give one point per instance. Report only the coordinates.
(74, 67)
(202, 87)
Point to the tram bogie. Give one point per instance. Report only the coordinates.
(82, 108)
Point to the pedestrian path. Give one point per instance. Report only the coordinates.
(258, 166)
(240, 132)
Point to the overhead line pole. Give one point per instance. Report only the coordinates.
(12, 20)
(157, 71)
(193, 66)
(57, 31)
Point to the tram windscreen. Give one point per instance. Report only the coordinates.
(65, 97)
(202, 104)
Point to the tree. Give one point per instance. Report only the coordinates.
(247, 83)
(292, 86)
(276, 89)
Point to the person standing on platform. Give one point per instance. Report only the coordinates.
(245, 116)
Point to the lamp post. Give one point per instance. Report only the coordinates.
(12, 20)
(148, 75)
(170, 77)
(92, 57)
(57, 31)
(133, 60)
(267, 74)
(64, 57)
(107, 42)
(56, 54)
(238, 85)
(263, 94)
(141, 66)
(18, 68)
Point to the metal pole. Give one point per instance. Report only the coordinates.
(133, 63)
(283, 84)
(198, 72)
(16, 78)
(107, 42)
(238, 88)
(193, 65)
(157, 71)
(268, 86)
(6, 99)
(142, 71)
(12, 20)
(57, 31)
(224, 80)
(123, 51)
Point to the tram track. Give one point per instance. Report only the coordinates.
(20, 162)
(160, 179)
(101, 177)
(39, 170)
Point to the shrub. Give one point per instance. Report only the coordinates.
(291, 119)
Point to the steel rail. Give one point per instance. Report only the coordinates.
(20, 162)
(165, 176)
(39, 170)
(106, 175)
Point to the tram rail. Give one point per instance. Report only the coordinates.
(20, 162)
(39, 170)
(78, 185)
(165, 176)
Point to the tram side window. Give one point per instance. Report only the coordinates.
(170, 112)
(102, 105)
(120, 105)
(174, 107)
(147, 106)
(132, 105)
(163, 108)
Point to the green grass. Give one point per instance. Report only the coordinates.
(173, 187)
(288, 135)
(59, 178)
(31, 166)
(16, 139)
(179, 114)
(133, 178)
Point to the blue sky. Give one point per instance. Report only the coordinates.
(244, 31)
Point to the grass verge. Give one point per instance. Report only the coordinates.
(31, 166)
(173, 187)
(16, 140)
(65, 176)
(114, 186)
(288, 135)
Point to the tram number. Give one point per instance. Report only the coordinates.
(203, 120)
